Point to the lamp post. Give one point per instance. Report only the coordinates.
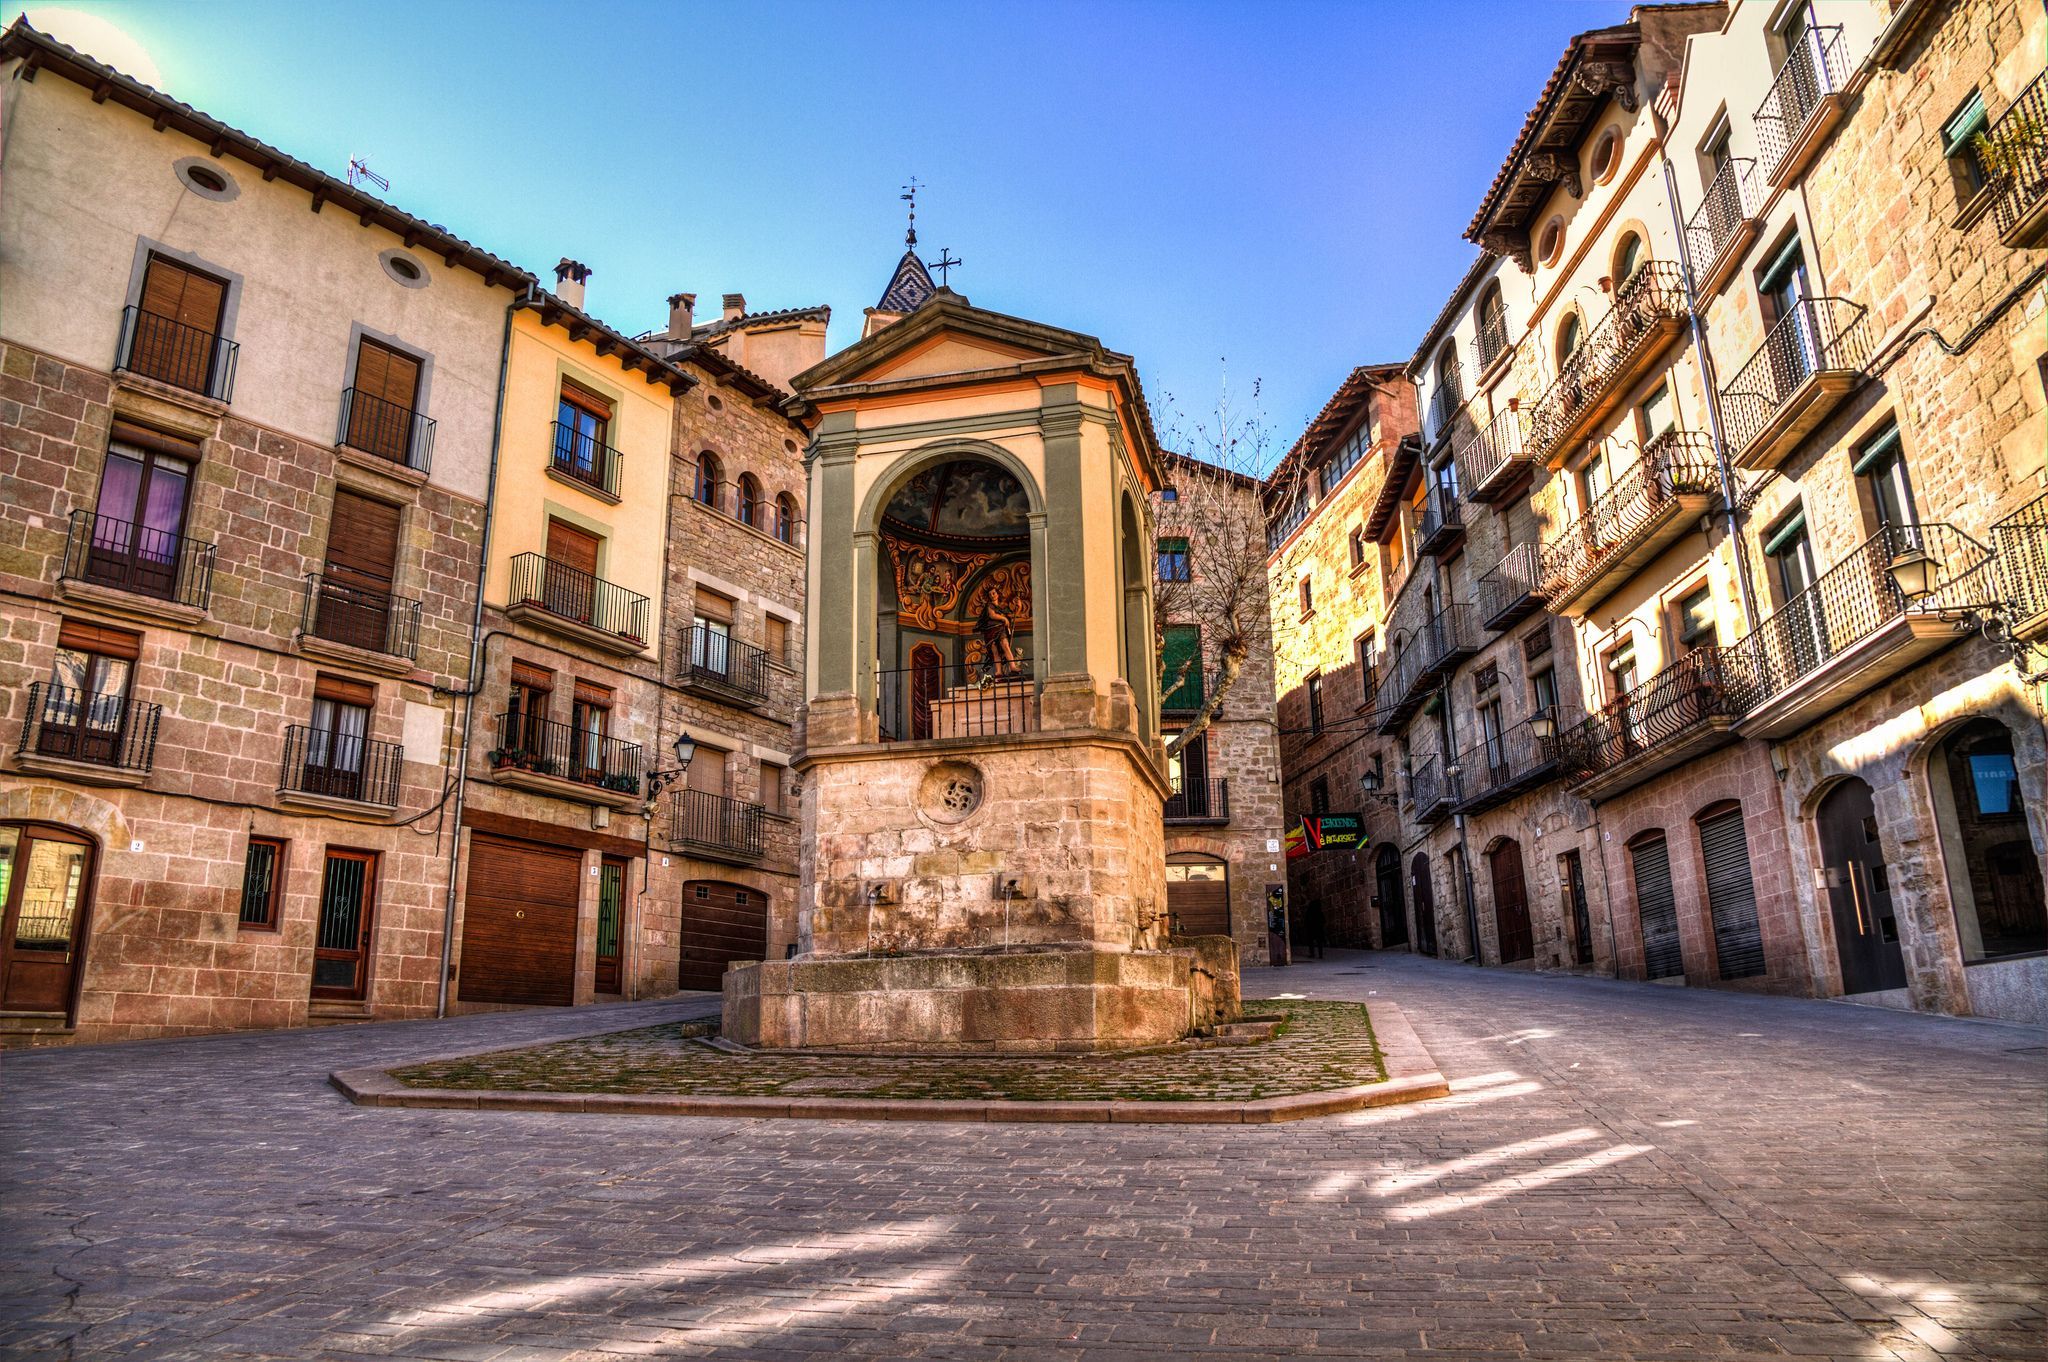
(1916, 571)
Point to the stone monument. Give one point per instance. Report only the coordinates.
(982, 775)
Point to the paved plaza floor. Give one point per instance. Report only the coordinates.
(1623, 1171)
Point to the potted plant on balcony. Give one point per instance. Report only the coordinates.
(504, 758)
(540, 766)
(620, 782)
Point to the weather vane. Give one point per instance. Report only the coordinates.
(909, 196)
(944, 264)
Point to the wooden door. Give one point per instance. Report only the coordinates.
(139, 521)
(177, 326)
(46, 890)
(1424, 895)
(571, 585)
(341, 945)
(1657, 908)
(927, 683)
(721, 923)
(1571, 879)
(519, 923)
(386, 390)
(1731, 895)
(611, 924)
(1393, 914)
(1859, 891)
(1511, 903)
(1198, 895)
(355, 588)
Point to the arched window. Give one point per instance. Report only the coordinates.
(707, 478)
(1568, 337)
(1627, 260)
(785, 518)
(1998, 900)
(1493, 325)
(751, 508)
(1449, 380)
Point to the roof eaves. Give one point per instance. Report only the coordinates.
(557, 311)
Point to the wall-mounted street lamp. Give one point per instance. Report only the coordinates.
(686, 751)
(1916, 571)
(1371, 780)
(1543, 724)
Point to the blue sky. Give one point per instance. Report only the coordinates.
(1274, 184)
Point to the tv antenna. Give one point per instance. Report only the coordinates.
(359, 172)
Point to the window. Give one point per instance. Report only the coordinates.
(1627, 260)
(773, 795)
(1180, 669)
(1550, 242)
(1543, 690)
(1696, 628)
(1357, 541)
(1621, 669)
(785, 517)
(1493, 326)
(1961, 144)
(1319, 795)
(775, 633)
(711, 633)
(381, 401)
(526, 708)
(1346, 458)
(262, 883)
(590, 716)
(176, 335)
(1791, 553)
(1568, 337)
(1886, 486)
(1315, 703)
(1714, 151)
(1490, 731)
(751, 509)
(1173, 561)
(1606, 155)
(139, 524)
(85, 706)
(1366, 650)
(1308, 598)
(1653, 416)
(337, 739)
(1594, 479)
(708, 475)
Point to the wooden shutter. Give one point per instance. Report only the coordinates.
(184, 296)
(712, 606)
(777, 637)
(1657, 908)
(97, 638)
(772, 787)
(707, 771)
(142, 437)
(1731, 895)
(590, 693)
(343, 691)
(362, 540)
(532, 677)
(385, 373)
(578, 396)
(572, 548)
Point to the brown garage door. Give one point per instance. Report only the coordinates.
(1198, 896)
(721, 923)
(519, 923)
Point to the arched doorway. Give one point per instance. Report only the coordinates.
(1656, 905)
(1994, 876)
(1393, 914)
(1510, 902)
(1425, 904)
(46, 888)
(1859, 890)
(1197, 894)
(721, 923)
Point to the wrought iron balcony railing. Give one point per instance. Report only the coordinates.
(574, 595)
(386, 429)
(1446, 638)
(585, 459)
(1443, 523)
(699, 822)
(1815, 67)
(1647, 305)
(1398, 694)
(2015, 152)
(1492, 341)
(549, 747)
(950, 701)
(1513, 590)
(1621, 519)
(2020, 543)
(1495, 770)
(102, 730)
(1199, 801)
(1432, 790)
(361, 617)
(1725, 207)
(1703, 686)
(332, 765)
(1818, 339)
(720, 663)
(1494, 461)
(750, 506)
(169, 351)
(1446, 403)
(114, 553)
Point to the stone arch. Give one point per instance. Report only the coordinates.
(1967, 841)
(1623, 233)
(912, 462)
(787, 514)
(707, 471)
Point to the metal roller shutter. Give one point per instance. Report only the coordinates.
(1731, 895)
(1663, 958)
(519, 923)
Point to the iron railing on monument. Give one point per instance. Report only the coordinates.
(948, 700)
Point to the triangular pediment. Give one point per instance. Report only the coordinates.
(949, 336)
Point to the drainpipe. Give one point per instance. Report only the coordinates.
(476, 650)
(1698, 328)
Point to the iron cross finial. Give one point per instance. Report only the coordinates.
(944, 264)
(909, 196)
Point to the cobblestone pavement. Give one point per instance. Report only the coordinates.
(1623, 1171)
(1323, 1045)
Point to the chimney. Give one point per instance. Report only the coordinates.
(682, 315)
(735, 305)
(569, 277)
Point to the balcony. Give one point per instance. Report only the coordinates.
(573, 603)
(711, 827)
(951, 702)
(1199, 801)
(1808, 363)
(1654, 503)
(386, 431)
(95, 739)
(1432, 791)
(180, 356)
(1688, 709)
(359, 625)
(137, 570)
(1493, 464)
(553, 758)
(1852, 630)
(340, 772)
(2020, 545)
(2015, 153)
(1513, 590)
(1443, 526)
(719, 667)
(1803, 106)
(1493, 772)
(1448, 638)
(1647, 318)
(1492, 341)
(584, 462)
(1446, 406)
(1723, 226)
(1398, 696)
